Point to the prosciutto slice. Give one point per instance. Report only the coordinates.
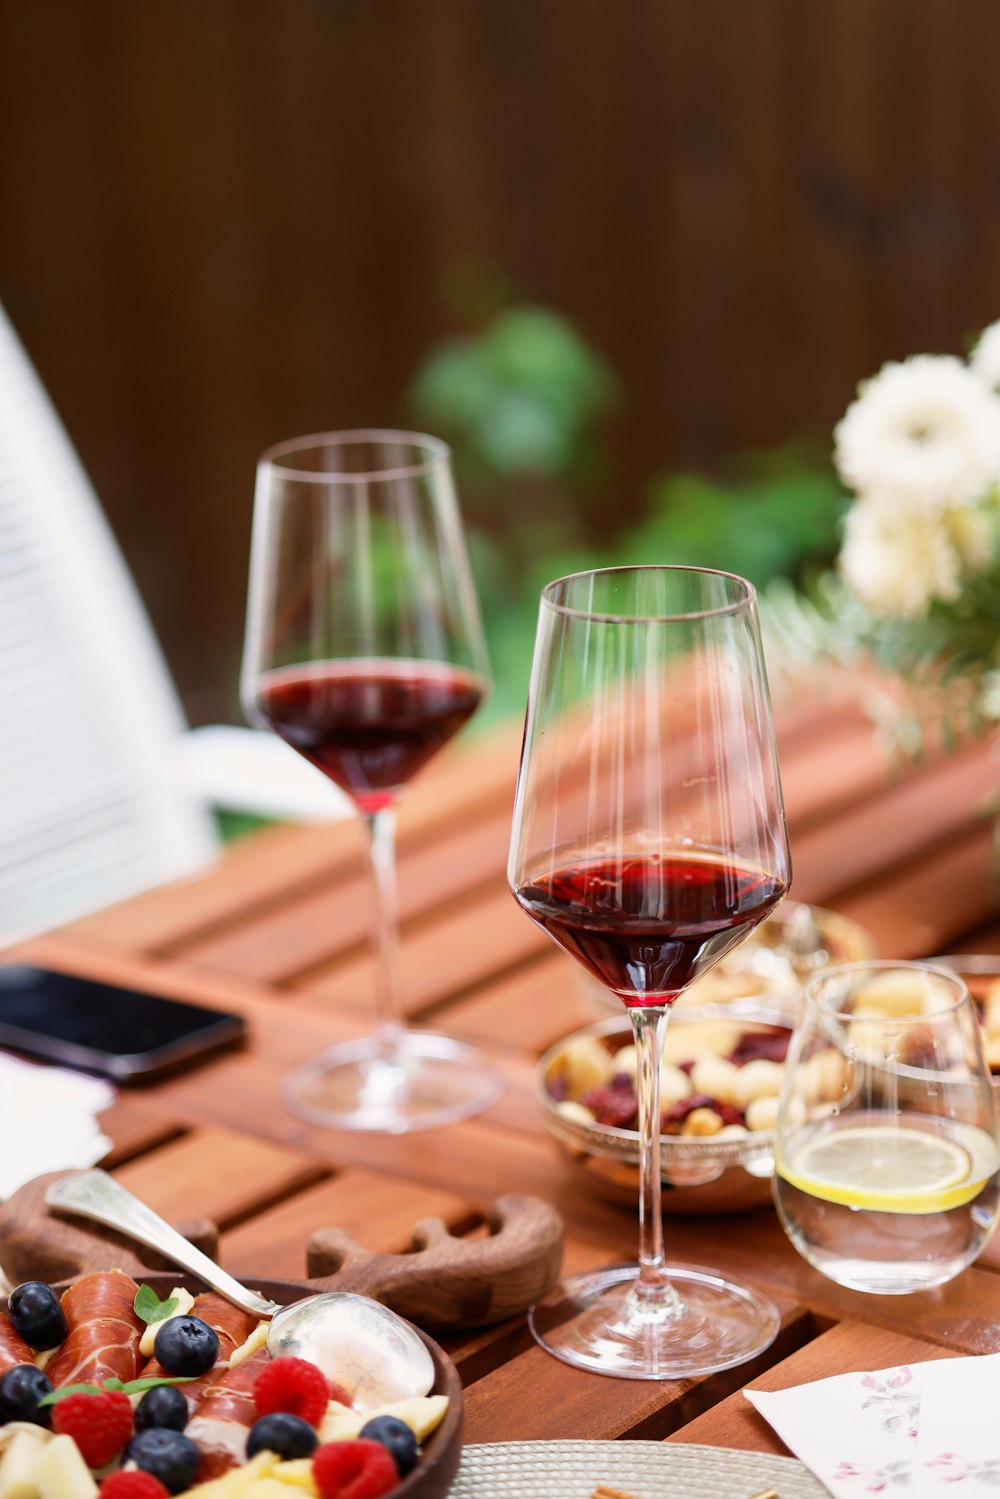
(233, 1327)
(219, 1426)
(104, 1331)
(13, 1349)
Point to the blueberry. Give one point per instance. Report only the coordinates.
(169, 1455)
(36, 1314)
(186, 1346)
(396, 1437)
(286, 1435)
(162, 1406)
(20, 1391)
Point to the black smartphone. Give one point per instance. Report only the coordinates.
(117, 1033)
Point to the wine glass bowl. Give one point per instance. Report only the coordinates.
(890, 1182)
(648, 841)
(364, 652)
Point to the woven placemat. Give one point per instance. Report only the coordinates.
(647, 1470)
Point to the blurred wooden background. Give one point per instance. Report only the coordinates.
(227, 222)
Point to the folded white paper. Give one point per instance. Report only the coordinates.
(918, 1429)
(48, 1121)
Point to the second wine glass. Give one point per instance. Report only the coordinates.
(649, 840)
(364, 652)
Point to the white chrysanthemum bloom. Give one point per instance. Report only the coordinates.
(972, 532)
(926, 432)
(899, 562)
(984, 360)
(989, 696)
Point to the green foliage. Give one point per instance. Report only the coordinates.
(517, 399)
(768, 515)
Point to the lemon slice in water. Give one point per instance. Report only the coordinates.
(890, 1168)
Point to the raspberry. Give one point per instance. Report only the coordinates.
(137, 1485)
(296, 1386)
(354, 1470)
(100, 1425)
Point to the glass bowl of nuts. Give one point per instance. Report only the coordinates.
(720, 1079)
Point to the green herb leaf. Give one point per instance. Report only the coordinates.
(150, 1308)
(69, 1389)
(138, 1386)
(133, 1387)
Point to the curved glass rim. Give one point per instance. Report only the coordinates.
(813, 986)
(438, 455)
(749, 594)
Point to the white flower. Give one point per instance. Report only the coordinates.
(985, 358)
(899, 562)
(925, 432)
(989, 698)
(972, 532)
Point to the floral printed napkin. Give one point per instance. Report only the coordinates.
(920, 1429)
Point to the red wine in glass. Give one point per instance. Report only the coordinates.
(646, 927)
(368, 725)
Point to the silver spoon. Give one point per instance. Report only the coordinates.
(355, 1341)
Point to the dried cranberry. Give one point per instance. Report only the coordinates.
(678, 1112)
(686, 1067)
(614, 1106)
(558, 1089)
(769, 1046)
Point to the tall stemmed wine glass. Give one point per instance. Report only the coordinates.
(364, 652)
(649, 840)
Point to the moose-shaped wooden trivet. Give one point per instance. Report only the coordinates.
(443, 1283)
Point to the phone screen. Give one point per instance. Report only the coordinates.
(120, 1033)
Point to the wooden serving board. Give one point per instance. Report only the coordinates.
(443, 1283)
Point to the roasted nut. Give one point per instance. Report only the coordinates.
(759, 1079)
(717, 1077)
(702, 1122)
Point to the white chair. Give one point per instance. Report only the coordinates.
(93, 806)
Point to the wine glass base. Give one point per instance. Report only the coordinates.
(591, 1321)
(418, 1081)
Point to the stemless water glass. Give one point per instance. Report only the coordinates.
(887, 1171)
(649, 840)
(364, 652)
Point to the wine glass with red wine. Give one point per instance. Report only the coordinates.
(649, 840)
(364, 652)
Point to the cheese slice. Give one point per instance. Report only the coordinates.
(61, 1473)
(256, 1340)
(17, 1465)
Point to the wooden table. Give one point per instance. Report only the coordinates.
(278, 930)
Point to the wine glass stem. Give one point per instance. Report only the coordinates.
(381, 830)
(652, 1294)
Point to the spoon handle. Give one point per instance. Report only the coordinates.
(96, 1195)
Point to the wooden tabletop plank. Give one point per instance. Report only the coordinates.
(850, 1347)
(308, 932)
(533, 1007)
(219, 1174)
(926, 906)
(470, 778)
(379, 1211)
(913, 815)
(134, 1130)
(543, 1399)
(467, 944)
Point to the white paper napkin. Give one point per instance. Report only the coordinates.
(48, 1121)
(918, 1429)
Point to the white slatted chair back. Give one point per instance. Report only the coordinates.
(89, 809)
